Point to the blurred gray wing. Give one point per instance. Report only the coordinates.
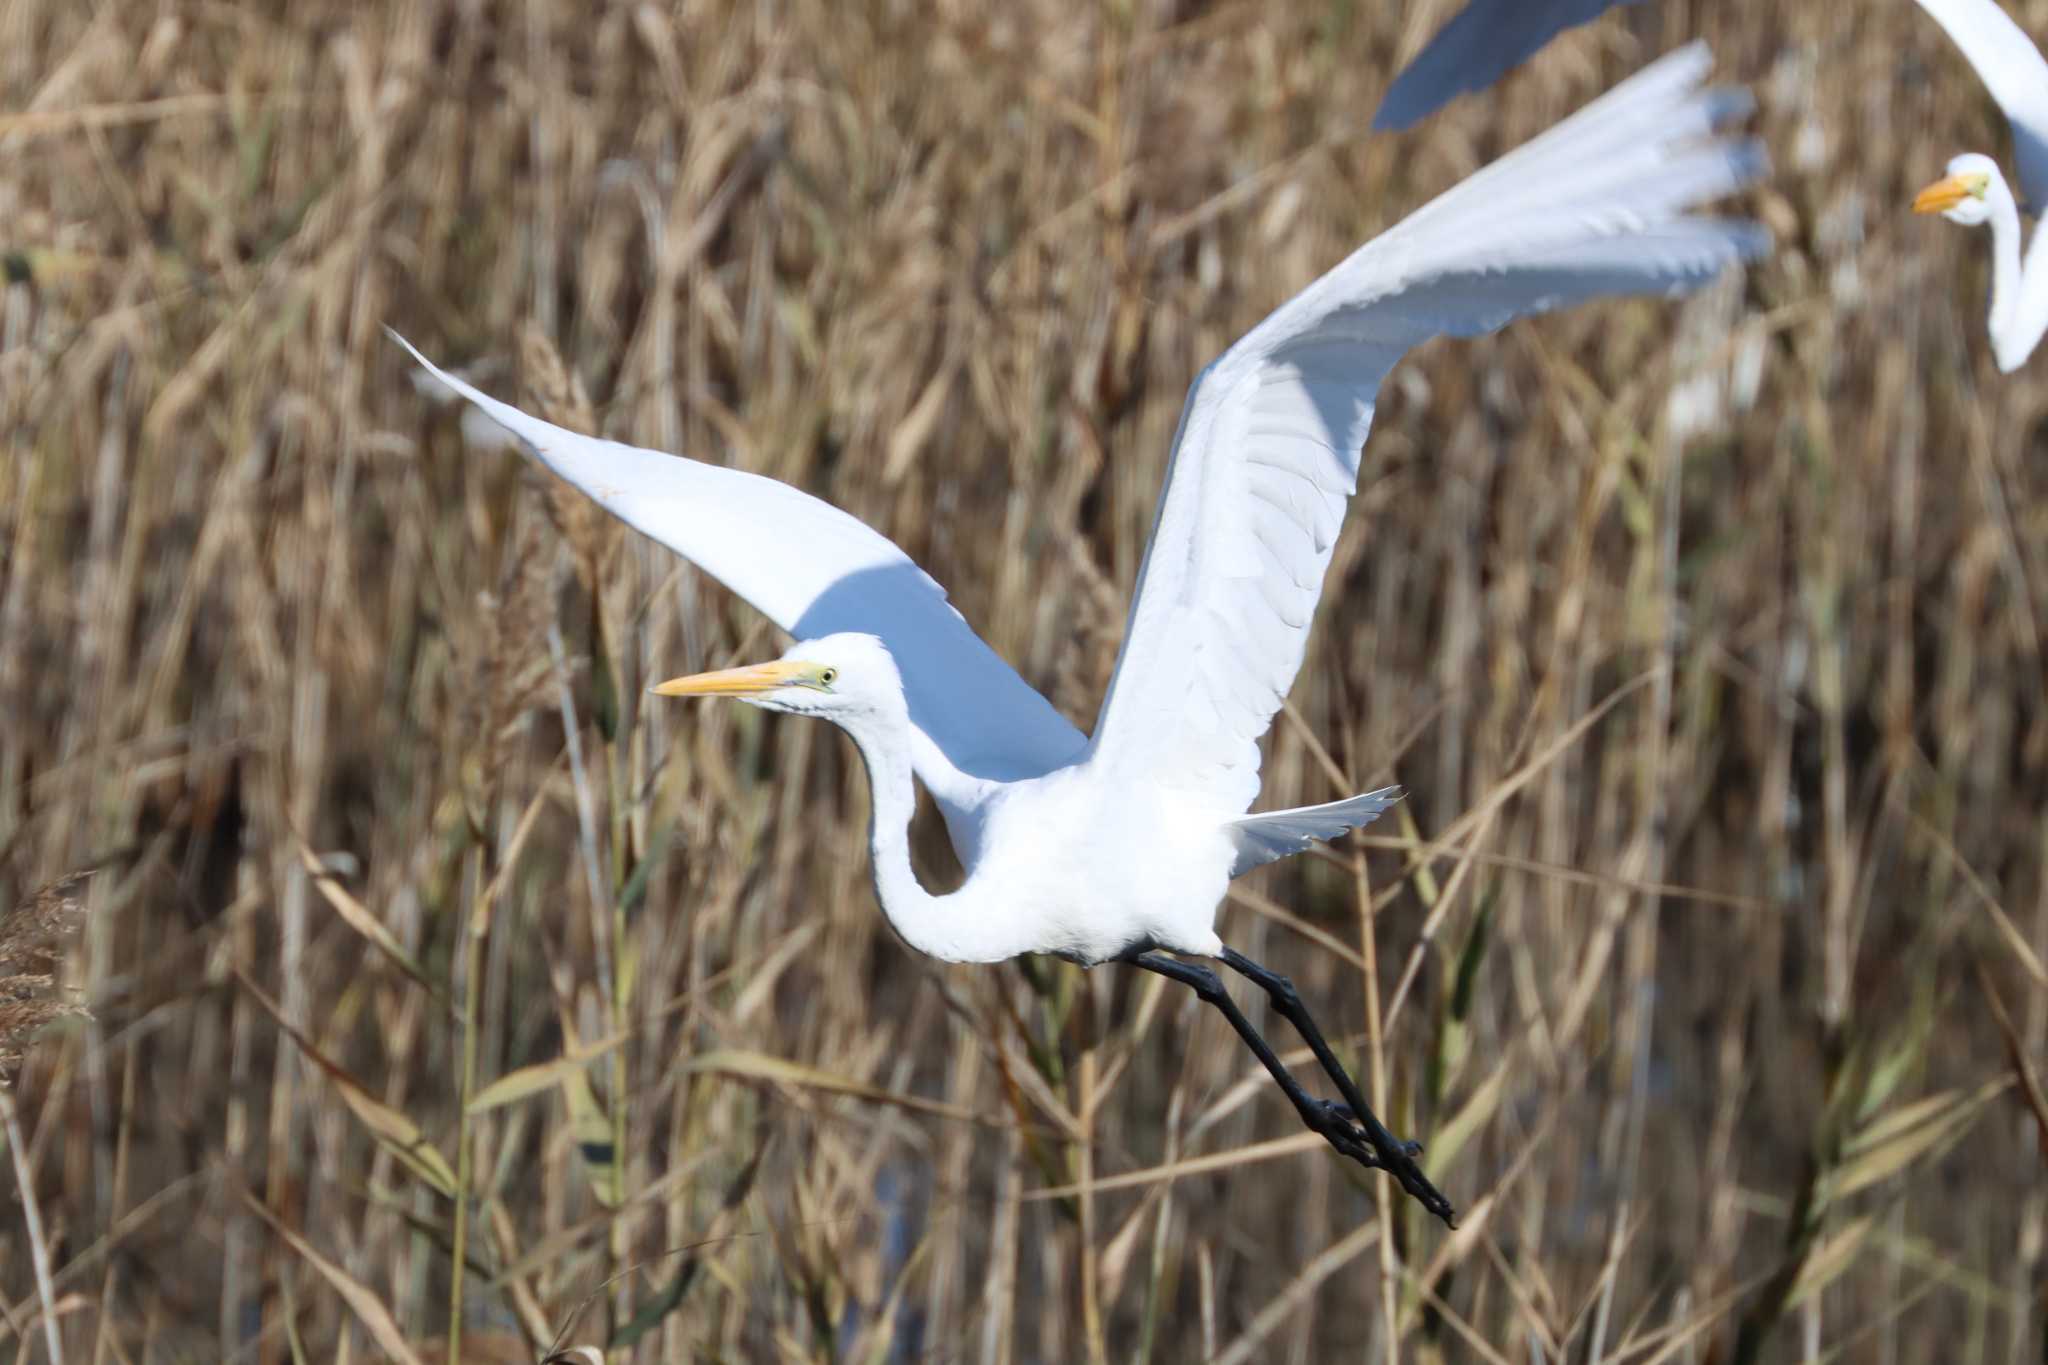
(2012, 69)
(1268, 449)
(814, 570)
(1483, 42)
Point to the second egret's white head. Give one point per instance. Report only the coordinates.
(840, 677)
(1964, 194)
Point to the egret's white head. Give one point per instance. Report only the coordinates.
(1964, 194)
(839, 677)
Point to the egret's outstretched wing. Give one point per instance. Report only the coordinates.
(1483, 42)
(814, 570)
(2011, 67)
(1269, 443)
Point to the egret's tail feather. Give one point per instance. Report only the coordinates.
(1277, 833)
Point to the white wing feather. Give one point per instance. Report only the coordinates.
(1272, 835)
(814, 570)
(1483, 42)
(1269, 443)
(2013, 70)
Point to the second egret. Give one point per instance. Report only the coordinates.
(1974, 194)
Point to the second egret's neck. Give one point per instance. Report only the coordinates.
(955, 928)
(2019, 313)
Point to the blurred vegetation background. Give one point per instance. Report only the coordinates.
(1705, 955)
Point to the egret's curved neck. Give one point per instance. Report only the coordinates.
(961, 927)
(2019, 299)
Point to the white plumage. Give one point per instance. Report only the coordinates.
(1264, 463)
(1973, 192)
(1112, 847)
(1271, 436)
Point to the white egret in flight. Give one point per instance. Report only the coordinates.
(1119, 847)
(1482, 42)
(1973, 193)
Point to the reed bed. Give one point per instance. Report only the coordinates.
(449, 997)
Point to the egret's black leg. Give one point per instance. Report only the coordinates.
(1320, 1115)
(1395, 1156)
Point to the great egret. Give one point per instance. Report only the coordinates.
(1974, 193)
(1482, 42)
(1118, 847)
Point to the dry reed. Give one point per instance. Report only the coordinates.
(1707, 637)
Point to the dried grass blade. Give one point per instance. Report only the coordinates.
(1571, 876)
(1465, 1330)
(2007, 930)
(139, 1216)
(562, 1241)
(1449, 1140)
(590, 1127)
(1472, 826)
(1194, 1165)
(362, 1301)
(1924, 1129)
(1291, 1296)
(1836, 1255)
(532, 1080)
(364, 921)
(762, 980)
(2022, 1068)
(914, 431)
(39, 1246)
(1265, 907)
(398, 1134)
(671, 1296)
(755, 1066)
(60, 122)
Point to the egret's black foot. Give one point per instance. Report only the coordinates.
(1417, 1184)
(1350, 1127)
(1336, 1123)
(1333, 1122)
(1341, 1111)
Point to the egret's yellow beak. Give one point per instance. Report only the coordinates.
(750, 681)
(1946, 193)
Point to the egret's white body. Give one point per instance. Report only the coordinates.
(1973, 192)
(1166, 898)
(1110, 846)
(1069, 863)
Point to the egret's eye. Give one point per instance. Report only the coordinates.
(827, 677)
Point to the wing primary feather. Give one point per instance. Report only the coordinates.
(1481, 43)
(1268, 449)
(1263, 838)
(815, 570)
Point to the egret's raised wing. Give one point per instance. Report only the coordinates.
(2012, 68)
(1483, 42)
(814, 570)
(1269, 442)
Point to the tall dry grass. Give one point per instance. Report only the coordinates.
(1707, 636)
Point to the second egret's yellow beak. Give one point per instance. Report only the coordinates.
(1946, 193)
(750, 681)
